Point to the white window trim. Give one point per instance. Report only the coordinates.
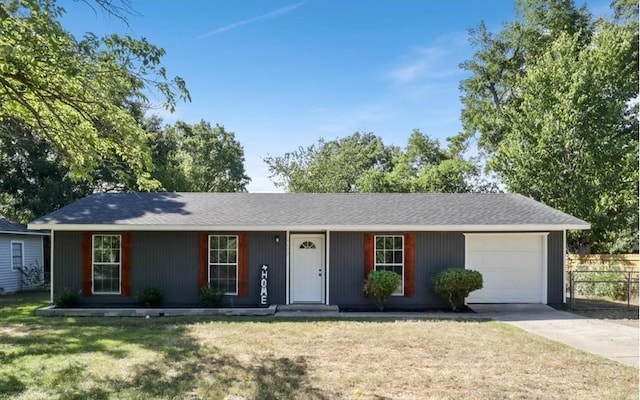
(236, 263)
(21, 243)
(375, 264)
(93, 263)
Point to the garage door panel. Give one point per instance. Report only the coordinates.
(509, 259)
(508, 295)
(506, 243)
(509, 277)
(511, 266)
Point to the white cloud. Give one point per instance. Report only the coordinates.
(269, 15)
(437, 60)
(421, 62)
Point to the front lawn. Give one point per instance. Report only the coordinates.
(192, 358)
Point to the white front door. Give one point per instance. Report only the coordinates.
(307, 268)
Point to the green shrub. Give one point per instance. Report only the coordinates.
(381, 285)
(150, 296)
(455, 284)
(209, 297)
(67, 298)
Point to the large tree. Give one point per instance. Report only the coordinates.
(200, 158)
(363, 163)
(552, 100)
(33, 180)
(72, 93)
(330, 166)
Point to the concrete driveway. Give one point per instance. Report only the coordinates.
(608, 339)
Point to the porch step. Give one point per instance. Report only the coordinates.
(308, 308)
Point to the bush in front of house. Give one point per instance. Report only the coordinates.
(210, 297)
(150, 296)
(381, 285)
(67, 298)
(455, 284)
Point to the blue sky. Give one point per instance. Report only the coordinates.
(282, 74)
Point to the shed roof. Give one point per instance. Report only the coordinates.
(308, 211)
(14, 228)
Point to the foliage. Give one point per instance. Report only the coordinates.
(552, 99)
(185, 158)
(608, 281)
(71, 93)
(363, 163)
(67, 298)
(209, 297)
(150, 296)
(455, 284)
(330, 166)
(380, 285)
(34, 181)
(200, 158)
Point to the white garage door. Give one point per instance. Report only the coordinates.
(513, 267)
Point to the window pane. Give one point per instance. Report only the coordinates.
(232, 243)
(388, 257)
(388, 242)
(397, 258)
(397, 242)
(213, 242)
(379, 257)
(232, 256)
(379, 243)
(222, 244)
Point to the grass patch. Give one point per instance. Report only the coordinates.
(253, 358)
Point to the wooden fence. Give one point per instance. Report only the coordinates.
(630, 261)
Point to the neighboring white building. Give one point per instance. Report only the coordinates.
(20, 249)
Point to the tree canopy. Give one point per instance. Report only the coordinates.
(552, 101)
(363, 163)
(72, 93)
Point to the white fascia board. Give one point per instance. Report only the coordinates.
(26, 233)
(308, 228)
(518, 233)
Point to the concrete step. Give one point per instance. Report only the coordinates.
(308, 308)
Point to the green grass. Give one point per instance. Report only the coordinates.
(254, 358)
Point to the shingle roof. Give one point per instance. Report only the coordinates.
(298, 210)
(7, 226)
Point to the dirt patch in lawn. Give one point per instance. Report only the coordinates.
(607, 309)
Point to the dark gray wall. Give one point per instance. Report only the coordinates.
(435, 251)
(264, 250)
(169, 260)
(555, 268)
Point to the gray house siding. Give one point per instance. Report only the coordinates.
(555, 268)
(434, 252)
(11, 280)
(169, 260)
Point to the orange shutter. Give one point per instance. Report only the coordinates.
(203, 260)
(86, 264)
(126, 264)
(409, 264)
(243, 264)
(369, 254)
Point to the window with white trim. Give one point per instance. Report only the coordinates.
(17, 255)
(223, 263)
(389, 251)
(106, 263)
